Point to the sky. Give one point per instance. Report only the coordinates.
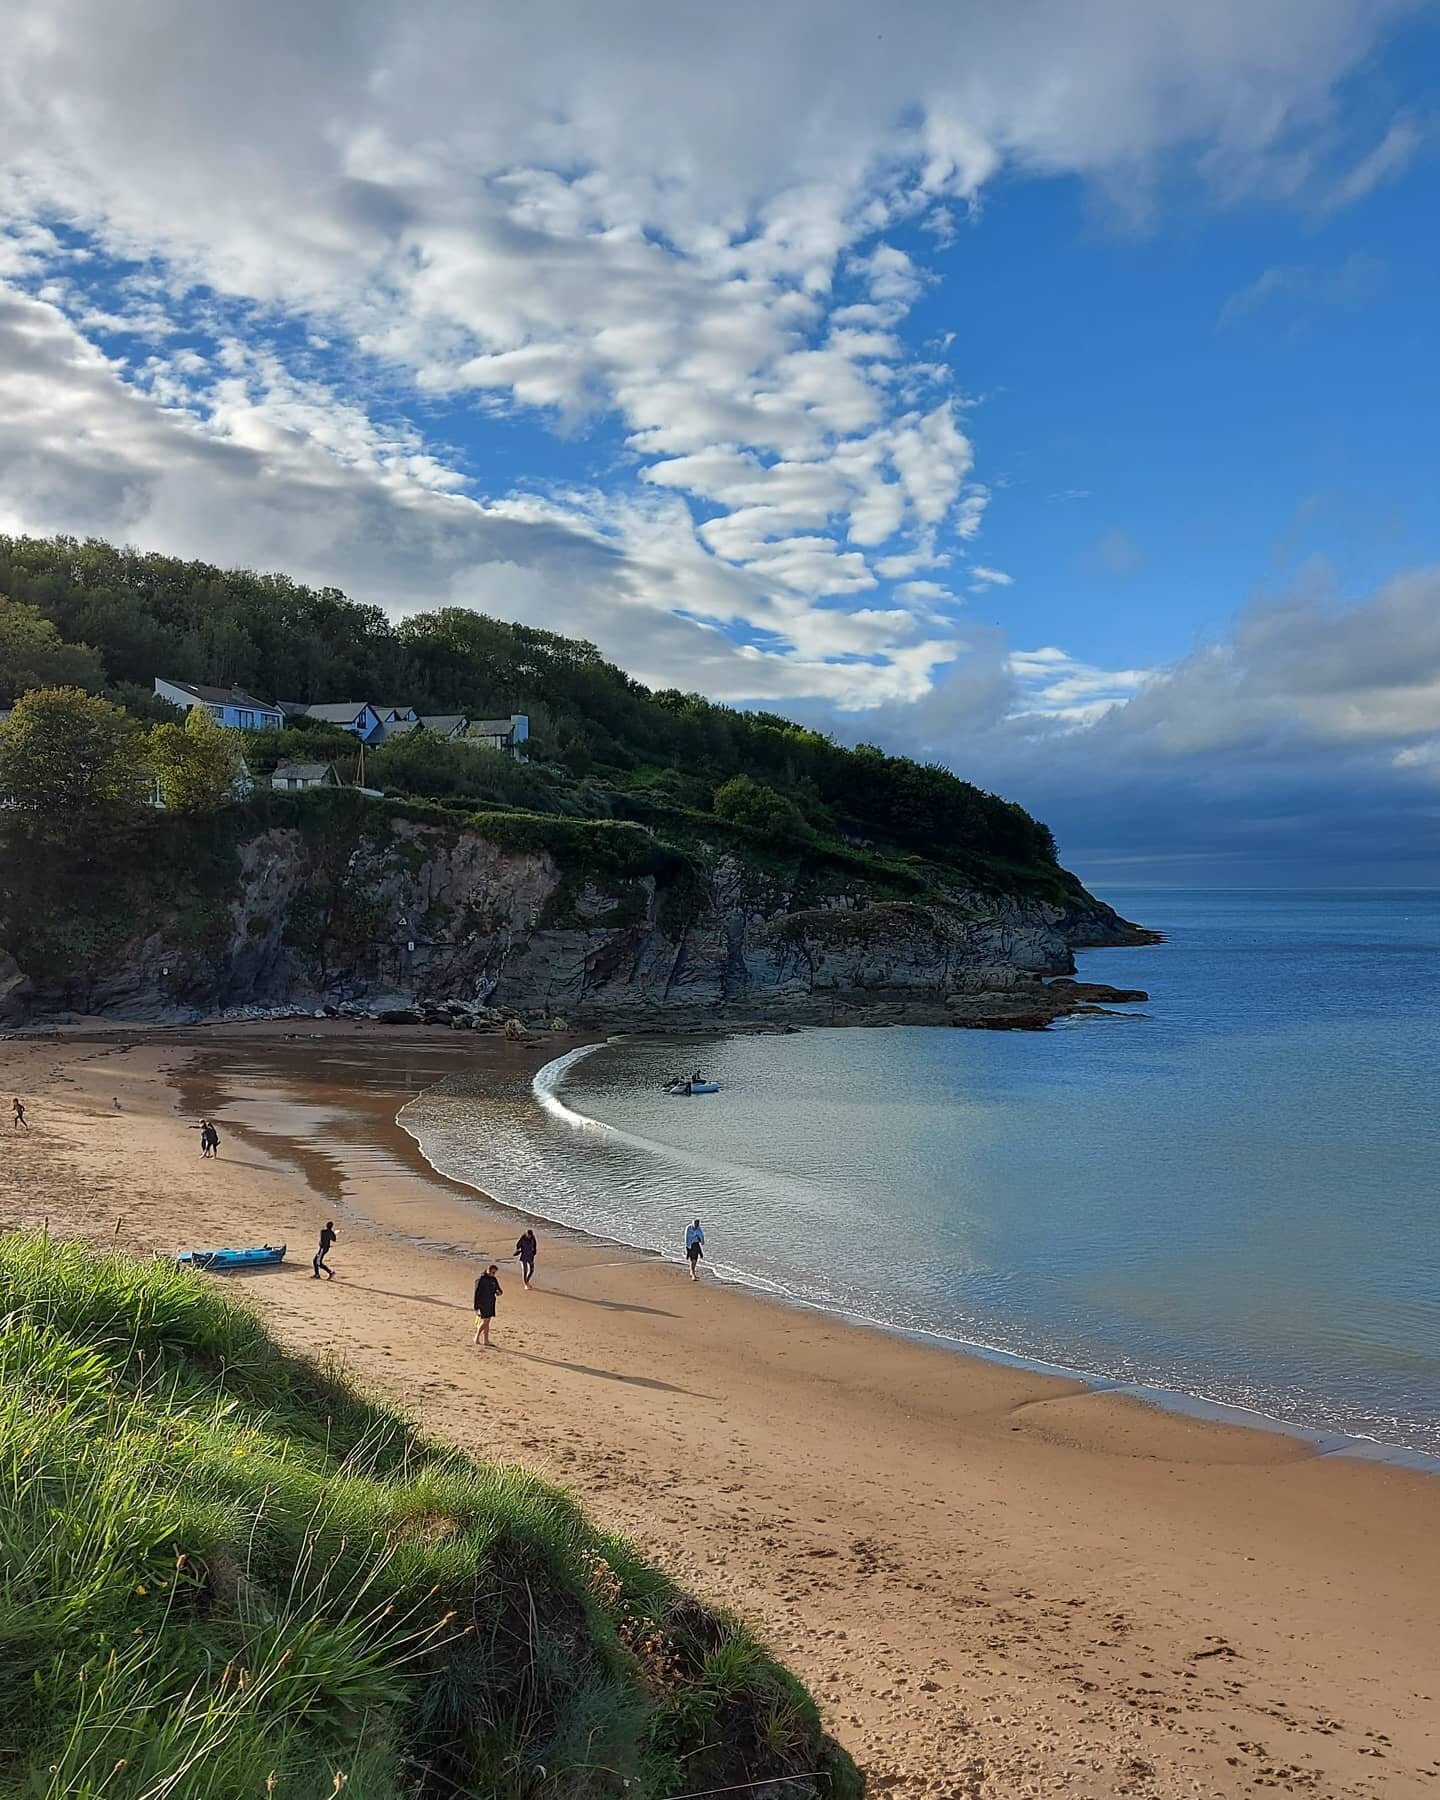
(1047, 390)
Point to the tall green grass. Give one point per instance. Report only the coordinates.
(224, 1573)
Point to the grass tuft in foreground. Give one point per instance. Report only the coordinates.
(224, 1573)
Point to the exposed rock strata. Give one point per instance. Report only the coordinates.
(423, 917)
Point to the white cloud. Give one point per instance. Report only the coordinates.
(678, 227)
(982, 577)
(1353, 283)
(1387, 162)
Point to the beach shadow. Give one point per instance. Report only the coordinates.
(644, 1381)
(359, 1287)
(624, 1306)
(552, 1293)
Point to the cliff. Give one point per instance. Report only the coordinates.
(330, 900)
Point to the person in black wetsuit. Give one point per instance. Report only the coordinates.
(487, 1291)
(327, 1238)
(525, 1250)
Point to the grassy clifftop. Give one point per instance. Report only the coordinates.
(225, 1574)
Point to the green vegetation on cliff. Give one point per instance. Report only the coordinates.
(603, 746)
(225, 1574)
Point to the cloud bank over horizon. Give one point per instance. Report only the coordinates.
(615, 332)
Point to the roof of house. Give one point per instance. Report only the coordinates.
(386, 707)
(338, 712)
(443, 721)
(491, 727)
(399, 727)
(304, 771)
(217, 696)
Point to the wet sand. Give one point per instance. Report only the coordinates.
(996, 1581)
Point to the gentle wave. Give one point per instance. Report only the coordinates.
(548, 1079)
(1229, 1199)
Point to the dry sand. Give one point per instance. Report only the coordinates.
(997, 1583)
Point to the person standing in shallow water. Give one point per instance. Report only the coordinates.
(487, 1291)
(327, 1238)
(694, 1248)
(525, 1250)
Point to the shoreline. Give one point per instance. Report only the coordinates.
(1325, 1440)
(997, 1582)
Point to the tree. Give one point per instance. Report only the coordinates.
(33, 654)
(197, 764)
(69, 763)
(746, 802)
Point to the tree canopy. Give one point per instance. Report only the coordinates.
(198, 765)
(601, 742)
(70, 763)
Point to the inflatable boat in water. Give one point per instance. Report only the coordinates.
(685, 1088)
(233, 1259)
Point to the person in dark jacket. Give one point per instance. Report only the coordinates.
(525, 1250)
(487, 1291)
(327, 1238)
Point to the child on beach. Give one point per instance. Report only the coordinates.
(487, 1291)
(21, 1122)
(525, 1250)
(694, 1247)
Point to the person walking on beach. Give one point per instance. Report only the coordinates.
(525, 1250)
(18, 1108)
(487, 1291)
(327, 1238)
(209, 1139)
(694, 1247)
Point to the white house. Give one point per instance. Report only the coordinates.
(294, 776)
(446, 726)
(501, 734)
(227, 706)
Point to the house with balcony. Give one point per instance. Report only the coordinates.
(230, 706)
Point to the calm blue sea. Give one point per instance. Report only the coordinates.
(1232, 1191)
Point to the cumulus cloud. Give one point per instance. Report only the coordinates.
(1301, 743)
(238, 318)
(678, 223)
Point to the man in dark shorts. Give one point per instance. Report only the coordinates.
(525, 1250)
(327, 1238)
(487, 1291)
(694, 1248)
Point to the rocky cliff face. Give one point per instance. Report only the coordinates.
(418, 915)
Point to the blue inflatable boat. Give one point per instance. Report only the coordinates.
(685, 1088)
(233, 1259)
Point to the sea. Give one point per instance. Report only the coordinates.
(1229, 1194)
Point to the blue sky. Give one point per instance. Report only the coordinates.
(1046, 390)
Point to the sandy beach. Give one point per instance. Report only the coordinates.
(996, 1582)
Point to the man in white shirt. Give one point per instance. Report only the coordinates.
(694, 1247)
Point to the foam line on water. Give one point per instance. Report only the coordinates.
(547, 1080)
